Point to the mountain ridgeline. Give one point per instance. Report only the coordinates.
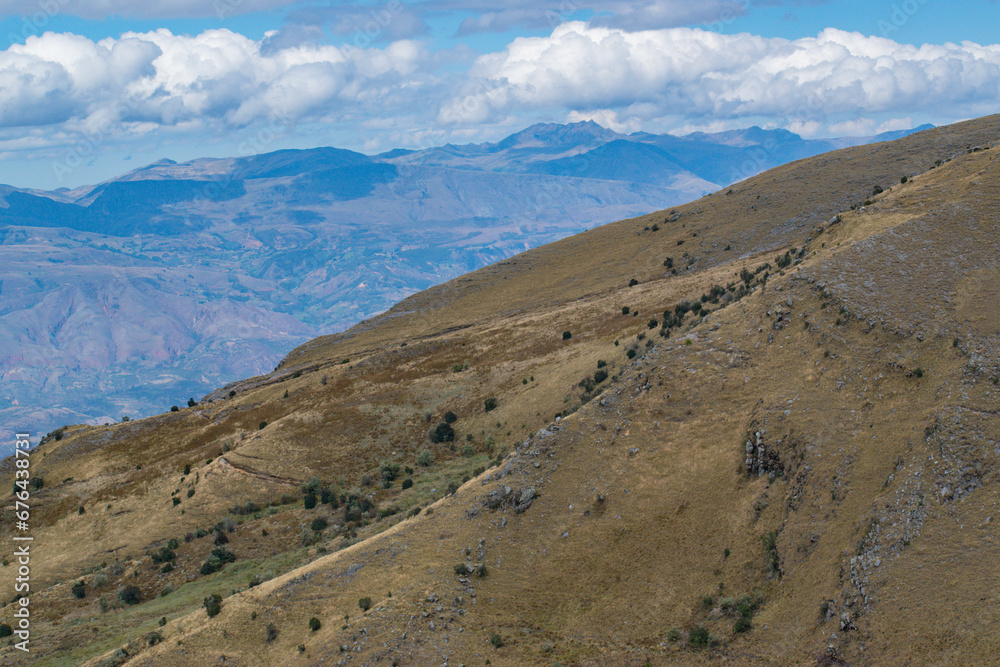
(759, 428)
(236, 261)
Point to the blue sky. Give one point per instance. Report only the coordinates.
(89, 90)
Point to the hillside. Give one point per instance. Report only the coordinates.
(802, 473)
(235, 261)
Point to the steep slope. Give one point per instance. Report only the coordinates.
(806, 473)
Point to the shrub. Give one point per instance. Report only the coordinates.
(652, 324)
(567, 335)
(309, 501)
(213, 604)
(163, 555)
(271, 632)
(674, 635)
(450, 417)
(131, 594)
(600, 376)
(496, 640)
(187, 469)
(190, 493)
(176, 501)
(669, 262)
(443, 432)
(314, 624)
(601, 363)
(903, 180)
(699, 636)
(319, 523)
(425, 458)
(633, 282)
(167, 568)
(79, 590)
(407, 483)
(154, 638)
(742, 625)
(81, 511)
(490, 404)
(262, 426)
(365, 603)
(625, 310)
(5, 630)
(174, 408)
(630, 354)
(163, 621)
(877, 190)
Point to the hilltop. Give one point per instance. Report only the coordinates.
(761, 427)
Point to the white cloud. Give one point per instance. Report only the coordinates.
(691, 73)
(216, 76)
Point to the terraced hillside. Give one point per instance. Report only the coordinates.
(761, 428)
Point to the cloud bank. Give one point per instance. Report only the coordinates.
(60, 92)
(690, 73)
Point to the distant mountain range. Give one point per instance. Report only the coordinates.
(136, 294)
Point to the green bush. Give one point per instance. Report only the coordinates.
(309, 501)
(365, 603)
(443, 432)
(407, 483)
(79, 589)
(425, 458)
(213, 604)
(674, 635)
(154, 638)
(319, 523)
(271, 632)
(130, 594)
(176, 501)
(314, 624)
(490, 404)
(496, 640)
(699, 636)
(567, 335)
(600, 376)
(630, 354)
(5, 630)
(163, 555)
(174, 408)
(742, 625)
(167, 568)
(450, 417)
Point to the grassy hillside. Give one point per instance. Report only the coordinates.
(802, 472)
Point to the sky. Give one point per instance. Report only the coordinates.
(90, 89)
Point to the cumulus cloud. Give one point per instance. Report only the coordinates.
(691, 73)
(162, 79)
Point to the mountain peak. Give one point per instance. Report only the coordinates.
(582, 133)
